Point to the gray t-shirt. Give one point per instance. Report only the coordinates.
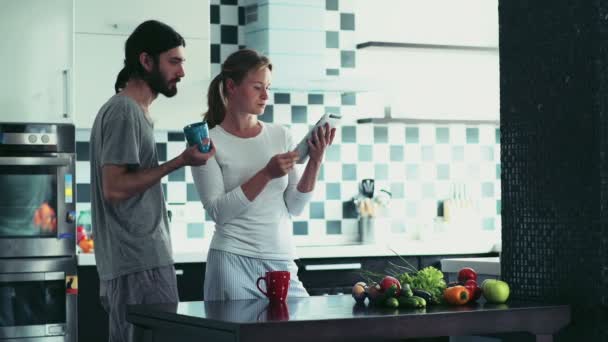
(131, 235)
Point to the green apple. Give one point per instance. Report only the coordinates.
(495, 291)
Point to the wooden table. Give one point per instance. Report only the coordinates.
(338, 318)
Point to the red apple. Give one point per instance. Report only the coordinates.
(467, 273)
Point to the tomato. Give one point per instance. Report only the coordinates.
(466, 273)
(474, 290)
(389, 281)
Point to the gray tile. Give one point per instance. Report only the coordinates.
(380, 134)
(331, 5)
(396, 152)
(332, 72)
(82, 151)
(498, 171)
(487, 153)
(428, 190)
(349, 134)
(487, 189)
(428, 153)
(498, 207)
(192, 193)
(195, 231)
(349, 172)
(365, 153)
(178, 175)
(268, 115)
(411, 135)
(411, 172)
(488, 223)
(457, 153)
(332, 39)
(443, 171)
(314, 99)
(299, 114)
(300, 228)
(347, 59)
(332, 109)
(472, 135)
(348, 99)
(347, 21)
(397, 190)
(282, 98)
(381, 171)
(498, 135)
(333, 153)
(333, 191)
(442, 135)
(317, 210)
(333, 227)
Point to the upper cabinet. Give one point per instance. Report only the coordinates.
(440, 59)
(36, 51)
(102, 28)
(188, 17)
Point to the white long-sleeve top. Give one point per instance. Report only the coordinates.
(260, 228)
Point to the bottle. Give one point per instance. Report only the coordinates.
(84, 224)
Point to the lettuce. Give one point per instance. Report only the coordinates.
(429, 279)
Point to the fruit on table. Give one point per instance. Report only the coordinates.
(358, 292)
(495, 291)
(406, 291)
(456, 295)
(373, 292)
(392, 302)
(466, 273)
(426, 295)
(389, 281)
(474, 290)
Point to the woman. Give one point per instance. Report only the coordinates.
(251, 188)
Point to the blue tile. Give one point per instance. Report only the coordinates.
(396, 153)
(457, 153)
(176, 136)
(397, 190)
(380, 134)
(178, 175)
(348, 99)
(498, 171)
(347, 21)
(241, 17)
(299, 114)
(428, 153)
(317, 210)
(333, 227)
(322, 173)
(472, 135)
(207, 216)
(498, 135)
(333, 153)
(411, 172)
(488, 223)
(315, 99)
(268, 115)
(347, 59)
(332, 110)
(332, 72)
(487, 153)
(349, 134)
(83, 193)
(411, 209)
(332, 39)
(195, 231)
(214, 14)
(282, 98)
(349, 172)
(411, 135)
(82, 151)
(191, 193)
(229, 34)
(161, 151)
(214, 54)
(381, 171)
(498, 207)
(487, 189)
(349, 210)
(442, 135)
(300, 228)
(331, 5)
(365, 153)
(443, 171)
(333, 191)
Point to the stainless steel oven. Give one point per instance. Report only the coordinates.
(37, 197)
(38, 300)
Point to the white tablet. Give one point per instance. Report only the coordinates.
(302, 148)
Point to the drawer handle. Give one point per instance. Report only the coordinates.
(179, 272)
(328, 267)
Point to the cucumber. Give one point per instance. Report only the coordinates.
(411, 302)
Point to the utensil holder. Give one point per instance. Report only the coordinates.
(367, 234)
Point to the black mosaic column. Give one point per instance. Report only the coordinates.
(554, 151)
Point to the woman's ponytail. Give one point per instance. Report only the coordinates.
(215, 102)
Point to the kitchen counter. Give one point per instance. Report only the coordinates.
(404, 247)
(338, 318)
(487, 266)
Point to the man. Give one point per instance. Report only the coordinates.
(132, 241)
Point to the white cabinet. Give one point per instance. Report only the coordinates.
(188, 17)
(36, 54)
(99, 58)
(102, 28)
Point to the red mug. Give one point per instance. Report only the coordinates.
(277, 285)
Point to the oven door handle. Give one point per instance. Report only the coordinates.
(333, 267)
(38, 276)
(35, 161)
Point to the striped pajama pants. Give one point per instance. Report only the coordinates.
(230, 276)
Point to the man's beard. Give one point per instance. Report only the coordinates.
(158, 84)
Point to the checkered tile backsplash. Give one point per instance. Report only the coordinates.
(419, 164)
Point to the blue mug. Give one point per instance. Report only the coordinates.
(195, 133)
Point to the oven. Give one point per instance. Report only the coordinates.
(37, 197)
(38, 299)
